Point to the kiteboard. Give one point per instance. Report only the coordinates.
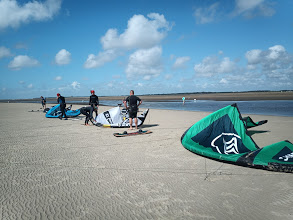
(125, 133)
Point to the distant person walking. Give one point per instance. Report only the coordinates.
(94, 102)
(61, 101)
(183, 100)
(133, 103)
(43, 100)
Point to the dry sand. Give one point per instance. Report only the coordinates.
(53, 169)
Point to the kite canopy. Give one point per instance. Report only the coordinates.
(114, 118)
(250, 123)
(55, 112)
(223, 135)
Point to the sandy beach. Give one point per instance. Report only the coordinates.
(57, 169)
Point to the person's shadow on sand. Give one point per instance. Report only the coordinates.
(149, 125)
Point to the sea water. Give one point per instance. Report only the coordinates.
(266, 107)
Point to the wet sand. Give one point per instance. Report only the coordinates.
(239, 96)
(53, 169)
(236, 96)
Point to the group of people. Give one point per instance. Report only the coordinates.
(131, 103)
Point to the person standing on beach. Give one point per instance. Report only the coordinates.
(94, 102)
(61, 101)
(43, 102)
(133, 103)
(183, 100)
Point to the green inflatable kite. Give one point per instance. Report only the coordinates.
(223, 136)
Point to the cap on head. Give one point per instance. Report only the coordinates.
(92, 91)
(58, 94)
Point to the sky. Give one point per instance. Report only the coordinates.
(150, 46)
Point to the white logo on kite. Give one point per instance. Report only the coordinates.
(108, 117)
(286, 157)
(229, 147)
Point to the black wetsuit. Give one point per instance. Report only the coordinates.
(61, 101)
(132, 103)
(94, 102)
(43, 101)
(88, 112)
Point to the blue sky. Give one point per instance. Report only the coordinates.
(154, 46)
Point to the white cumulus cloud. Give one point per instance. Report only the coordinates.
(75, 85)
(269, 68)
(246, 8)
(276, 52)
(141, 33)
(58, 78)
(22, 61)
(5, 52)
(252, 8)
(226, 65)
(253, 56)
(224, 81)
(94, 61)
(246, 5)
(13, 14)
(206, 15)
(145, 63)
(168, 76)
(180, 62)
(275, 62)
(63, 57)
(212, 65)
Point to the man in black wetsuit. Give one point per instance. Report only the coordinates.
(61, 101)
(88, 112)
(94, 102)
(43, 102)
(133, 103)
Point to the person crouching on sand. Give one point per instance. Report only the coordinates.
(132, 107)
(88, 112)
